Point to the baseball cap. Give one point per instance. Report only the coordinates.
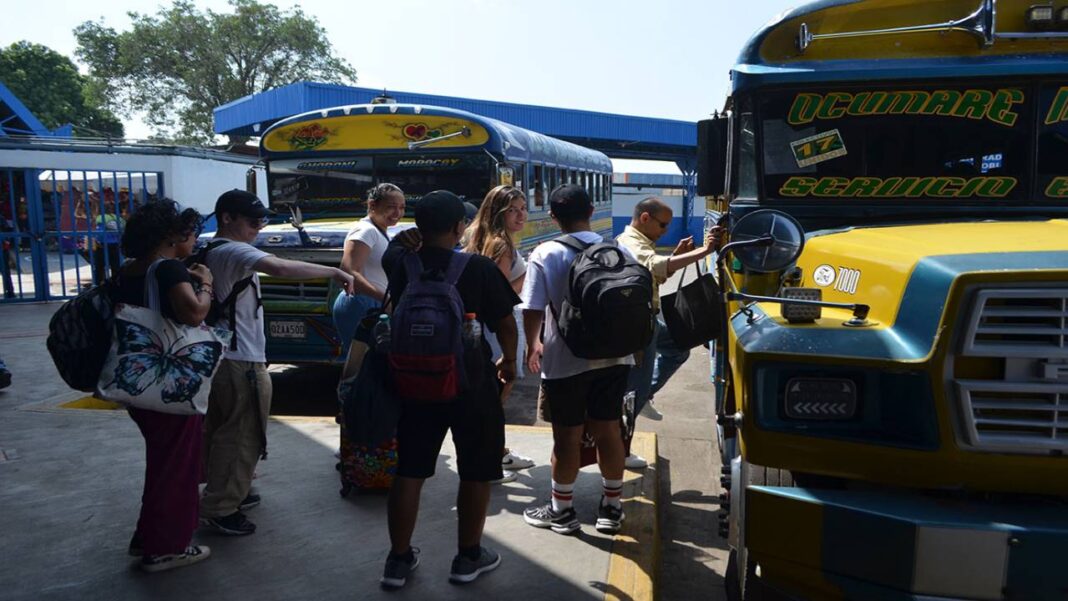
(470, 211)
(438, 212)
(241, 203)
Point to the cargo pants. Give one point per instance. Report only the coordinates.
(234, 434)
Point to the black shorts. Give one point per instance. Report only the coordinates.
(477, 433)
(596, 394)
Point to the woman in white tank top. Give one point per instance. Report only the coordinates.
(492, 234)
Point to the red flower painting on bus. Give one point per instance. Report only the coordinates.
(309, 137)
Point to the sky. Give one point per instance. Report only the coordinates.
(666, 59)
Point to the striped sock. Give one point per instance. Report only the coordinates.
(613, 492)
(562, 495)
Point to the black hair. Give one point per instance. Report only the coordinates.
(651, 205)
(570, 203)
(379, 192)
(153, 223)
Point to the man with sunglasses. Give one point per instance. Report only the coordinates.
(235, 426)
(662, 357)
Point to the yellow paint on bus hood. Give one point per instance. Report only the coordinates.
(873, 265)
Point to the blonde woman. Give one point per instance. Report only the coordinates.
(362, 257)
(492, 234)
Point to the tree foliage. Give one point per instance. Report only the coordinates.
(50, 86)
(178, 65)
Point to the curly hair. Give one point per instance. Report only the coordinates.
(488, 235)
(380, 192)
(153, 223)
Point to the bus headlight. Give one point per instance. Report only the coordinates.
(820, 398)
(1040, 16)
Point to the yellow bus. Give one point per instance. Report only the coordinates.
(903, 435)
(320, 165)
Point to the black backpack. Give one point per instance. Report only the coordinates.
(228, 306)
(608, 304)
(79, 335)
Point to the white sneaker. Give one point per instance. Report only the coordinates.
(635, 462)
(515, 461)
(650, 412)
(508, 477)
(160, 563)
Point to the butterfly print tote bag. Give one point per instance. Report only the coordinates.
(158, 364)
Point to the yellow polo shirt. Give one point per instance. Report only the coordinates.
(644, 251)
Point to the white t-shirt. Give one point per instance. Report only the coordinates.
(546, 282)
(367, 232)
(230, 263)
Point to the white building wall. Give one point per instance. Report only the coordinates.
(192, 181)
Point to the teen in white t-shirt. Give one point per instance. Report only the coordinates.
(364, 246)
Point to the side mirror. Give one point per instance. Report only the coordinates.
(712, 156)
(767, 240)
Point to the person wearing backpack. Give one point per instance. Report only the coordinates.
(662, 357)
(441, 371)
(583, 379)
(235, 429)
(157, 232)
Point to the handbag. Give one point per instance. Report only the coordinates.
(694, 313)
(158, 364)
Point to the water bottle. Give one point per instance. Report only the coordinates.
(382, 334)
(472, 331)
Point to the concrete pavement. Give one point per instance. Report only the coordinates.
(70, 481)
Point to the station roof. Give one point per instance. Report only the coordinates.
(16, 119)
(619, 136)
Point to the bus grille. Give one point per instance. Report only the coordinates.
(1023, 407)
(282, 290)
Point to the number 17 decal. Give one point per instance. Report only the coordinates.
(818, 148)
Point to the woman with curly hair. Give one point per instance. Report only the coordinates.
(499, 220)
(158, 233)
(362, 257)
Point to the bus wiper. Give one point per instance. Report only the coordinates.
(465, 132)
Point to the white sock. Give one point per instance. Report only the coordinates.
(562, 495)
(613, 492)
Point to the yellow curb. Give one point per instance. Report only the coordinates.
(632, 569)
(90, 402)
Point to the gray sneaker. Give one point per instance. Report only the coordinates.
(398, 569)
(466, 570)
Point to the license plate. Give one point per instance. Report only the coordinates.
(288, 329)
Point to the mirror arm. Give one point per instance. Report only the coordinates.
(860, 311)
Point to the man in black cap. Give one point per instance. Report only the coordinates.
(475, 417)
(236, 423)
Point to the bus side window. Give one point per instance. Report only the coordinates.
(539, 186)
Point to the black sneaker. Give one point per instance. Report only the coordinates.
(609, 518)
(466, 570)
(235, 524)
(398, 569)
(543, 516)
(250, 501)
(135, 549)
(5, 378)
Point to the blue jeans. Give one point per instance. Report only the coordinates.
(348, 311)
(662, 358)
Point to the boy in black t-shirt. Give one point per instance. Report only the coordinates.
(476, 418)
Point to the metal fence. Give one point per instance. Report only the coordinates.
(60, 230)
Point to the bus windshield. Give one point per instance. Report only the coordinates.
(339, 185)
(931, 143)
